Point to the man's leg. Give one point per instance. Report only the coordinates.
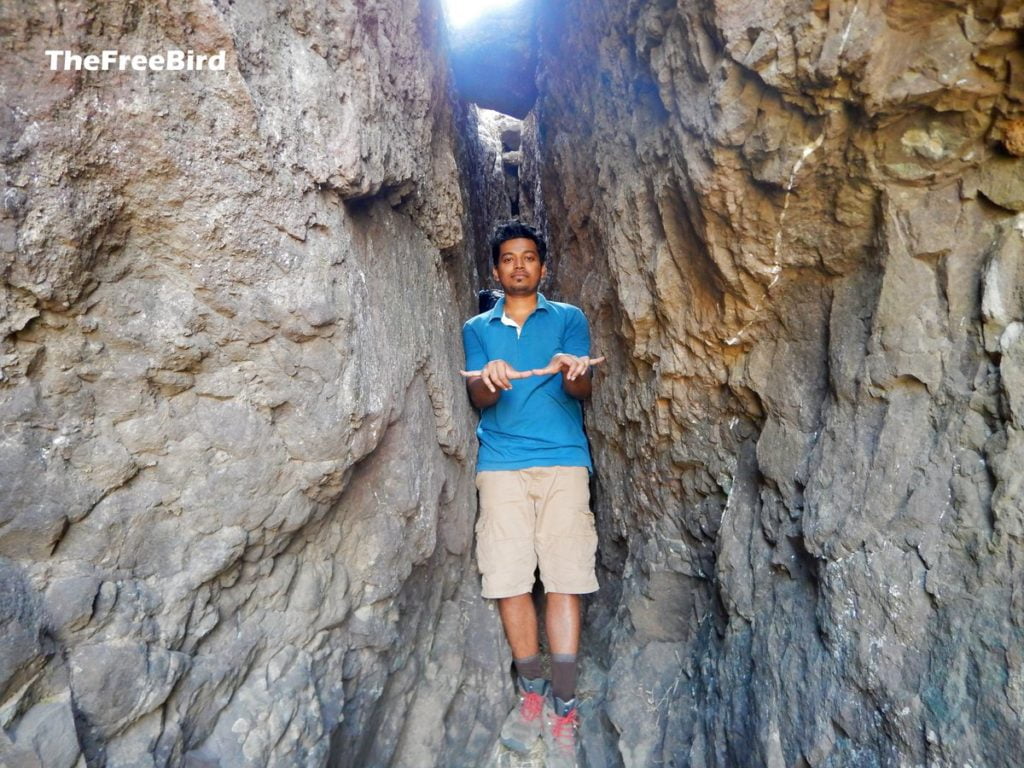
(566, 546)
(506, 557)
(519, 618)
(507, 560)
(562, 620)
(522, 727)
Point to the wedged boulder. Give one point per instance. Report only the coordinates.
(494, 59)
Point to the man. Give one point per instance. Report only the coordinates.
(528, 369)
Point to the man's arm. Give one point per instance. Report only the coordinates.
(479, 395)
(579, 386)
(485, 386)
(574, 359)
(576, 373)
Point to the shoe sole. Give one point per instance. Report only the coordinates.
(515, 745)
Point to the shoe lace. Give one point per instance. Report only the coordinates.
(533, 703)
(563, 730)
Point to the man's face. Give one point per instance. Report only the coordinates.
(519, 270)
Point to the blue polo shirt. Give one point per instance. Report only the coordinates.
(535, 424)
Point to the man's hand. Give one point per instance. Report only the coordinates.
(570, 365)
(497, 373)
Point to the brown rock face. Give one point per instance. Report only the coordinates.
(236, 491)
(236, 459)
(795, 235)
(1013, 138)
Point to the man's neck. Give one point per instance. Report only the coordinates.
(520, 307)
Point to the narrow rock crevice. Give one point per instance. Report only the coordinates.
(237, 502)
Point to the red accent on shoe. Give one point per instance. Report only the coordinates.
(562, 730)
(533, 704)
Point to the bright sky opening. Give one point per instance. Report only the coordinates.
(462, 12)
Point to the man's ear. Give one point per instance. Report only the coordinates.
(494, 274)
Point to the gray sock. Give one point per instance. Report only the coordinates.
(563, 675)
(529, 667)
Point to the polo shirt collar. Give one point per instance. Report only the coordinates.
(499, 308)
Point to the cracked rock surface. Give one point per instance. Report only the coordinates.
(236, 492)
(236, 507)
(795, 229)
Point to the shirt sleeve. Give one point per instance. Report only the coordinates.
(576, 336)
(476, 358)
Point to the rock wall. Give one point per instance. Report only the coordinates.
(236, 497)
(492, 188)
(236, 504)
(795, 228)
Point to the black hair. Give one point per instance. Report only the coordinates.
(510, 230)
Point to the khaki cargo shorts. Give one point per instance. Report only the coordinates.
(539, 515)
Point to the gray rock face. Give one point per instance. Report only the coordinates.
(487, 181)
(236, 506)
(795, 231)
(36, 716)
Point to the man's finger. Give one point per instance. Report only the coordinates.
(553, 367)
(501, 375)
(545, 371)
(486, 379)
(504, 378)
(588, 363)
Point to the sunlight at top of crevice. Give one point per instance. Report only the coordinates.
(459, 13)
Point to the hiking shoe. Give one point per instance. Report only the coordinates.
(523, 725)
(560, 733)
